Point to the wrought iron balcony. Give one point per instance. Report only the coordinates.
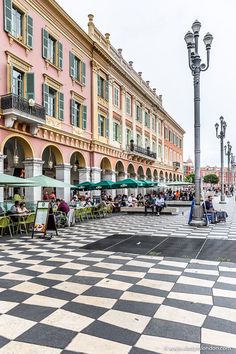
(18, 108)
(145, 152)
(176, 164)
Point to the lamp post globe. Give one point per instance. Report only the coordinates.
(221, 135)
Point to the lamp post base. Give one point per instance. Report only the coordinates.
(222, 202)
(197, 217)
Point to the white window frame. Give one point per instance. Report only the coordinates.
(128, 104)
(116, 96)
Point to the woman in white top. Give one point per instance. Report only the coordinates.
(160, 203)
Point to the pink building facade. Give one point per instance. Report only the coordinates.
(72, 108)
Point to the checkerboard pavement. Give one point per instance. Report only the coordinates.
(56, 297)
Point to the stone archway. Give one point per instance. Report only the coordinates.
(120, 171)
(131, 171)
(106, 169)
(148, 174)
(155, 175)
(140, 173)
(79, 173)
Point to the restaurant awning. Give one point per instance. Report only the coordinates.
(104, 185)
(12, 181)
(128, 183)
(85, 186)
(44, 181)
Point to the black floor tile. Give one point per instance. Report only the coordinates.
(203, 309)
(45, 335)
(45, 281)
(106, 242)
(84, 280)
(149, 291)
(103, 292)
(111, 332)
(191, 289)
(31, 312)
(174, 330)
(84, 309)
(6, 283)
(58, 294)
(140, 308)
(179, 247)
(3, 341)
(219, 250)
(219, 324)
(15, 296)
(136, 350)
(225, 302)
(138, 244)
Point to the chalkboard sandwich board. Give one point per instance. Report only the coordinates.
(44, 221)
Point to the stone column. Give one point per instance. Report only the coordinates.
(84, 174)
(110, 109)
(33, 167)
(95, 178)
(94, 100)
(2, 157)
(63, 172)
(111, 176)
(134, 137)
(123, 115)
(143, 126)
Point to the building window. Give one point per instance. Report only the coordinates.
(103, 88)
(18, 24)
(22, 83)
(147, 120)
(53, 101)
(154, 146)
(78, 115)
(138, 113)
(147, 143)
(116, 97)
(139, 140)
(103, 126)
(116, 132)
(17, 82)
(77, 69)
(128, 104)
(128, 136)
(52, 49)
(159, 127)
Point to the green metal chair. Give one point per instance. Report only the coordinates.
(24, 223)
(5, 222)
(79, 215)
(89, 212)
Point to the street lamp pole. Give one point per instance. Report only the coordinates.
(221, 136)
(232, 168)
(194, 60)
(228, 149)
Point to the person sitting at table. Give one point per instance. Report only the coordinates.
(52, 196)
(15, 207)
(62, 206)
(150, 202)
(22, 208)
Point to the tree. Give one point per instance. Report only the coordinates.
(211, 178)
(190, 178)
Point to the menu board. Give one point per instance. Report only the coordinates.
(41, 217)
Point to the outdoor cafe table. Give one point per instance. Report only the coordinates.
(17, 217)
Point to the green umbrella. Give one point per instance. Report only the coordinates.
(148, 184)
(179, 184)
(128, 183)
(12, 181)
(44, 181)
(85, 186)
(104, 185)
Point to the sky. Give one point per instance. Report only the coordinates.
(151, 34)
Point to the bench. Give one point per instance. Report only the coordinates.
(166, 210)
(176, 203)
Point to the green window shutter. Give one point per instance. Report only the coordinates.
(99, 125)
(61, 106)
(7, 15)
(29, 31)
(99, 85)
(107, 90)
(45, 97)
(30, 85)
(72, 64)
(60, 55)
(72, 112)
(45, 36)
(107, 127)
(83, 73)
(119, 134)
(84, 117)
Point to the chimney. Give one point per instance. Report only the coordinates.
(119, 51)
(131, 64)
(154, 90)
(107, 36)
(140, 73)
(90, 25)
(148, 82)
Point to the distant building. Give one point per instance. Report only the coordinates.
(188, 167)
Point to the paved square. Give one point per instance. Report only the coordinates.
(58, 297)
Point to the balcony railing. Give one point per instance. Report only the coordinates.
(176, 164)
(21, 104)
(143, 151)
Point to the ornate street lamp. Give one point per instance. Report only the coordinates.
(50, 161)
(221, 135)
(16, 155)
(232, 167)
(228, 149)
(194, 60)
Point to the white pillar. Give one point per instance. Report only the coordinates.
(124, 175)
(134, 137)
(95, 174)
(63, 172)
(2, 157)
(123, 115)
(110, 110)
(33, 167)
(84, 174)
(143, 126)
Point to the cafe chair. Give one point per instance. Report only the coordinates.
(24, 223)
(5, 222)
